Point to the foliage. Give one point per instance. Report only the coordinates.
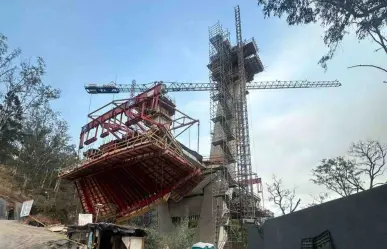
(34, 140)
(237, 233)
(180, 237)
(61, 205)
(10, 133)
(347, 176)
(46, 145)
(21, 87)
(153, 239)
(367, 17)
(284, 198)
(338, 175)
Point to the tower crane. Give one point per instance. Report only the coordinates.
(244, 176)
(206, 86)
(232, 72)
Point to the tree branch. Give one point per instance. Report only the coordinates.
(295, 207)
(282, 197)
(381, 40)
(385, 70)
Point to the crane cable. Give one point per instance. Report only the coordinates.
(87, 120)
(253, 140)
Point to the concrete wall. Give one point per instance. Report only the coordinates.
(187, 206)
(356, 222)
(205, 230)
(254, 240)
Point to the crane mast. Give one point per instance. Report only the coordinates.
(243, 138)
(232, 70)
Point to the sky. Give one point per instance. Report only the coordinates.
(291, 130)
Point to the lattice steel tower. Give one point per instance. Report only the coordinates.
(230, 68)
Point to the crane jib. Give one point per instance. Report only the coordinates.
(184, 87)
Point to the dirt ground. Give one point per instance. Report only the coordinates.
(14, 235)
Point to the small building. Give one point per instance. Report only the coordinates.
(107, 236)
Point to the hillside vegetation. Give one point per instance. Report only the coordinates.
(34, 139)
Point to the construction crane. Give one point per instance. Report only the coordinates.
(232, 70)
(203, 87)
(212, 87)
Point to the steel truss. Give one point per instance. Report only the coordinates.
(232, 71)
(207, 86)
(142, 166)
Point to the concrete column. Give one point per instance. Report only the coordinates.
(164, 218)
(205, 228)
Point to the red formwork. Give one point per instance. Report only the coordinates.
(138, 172)
(142, 166)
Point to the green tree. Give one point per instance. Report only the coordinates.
(338, 175)
(21, 88)
(11, 131)
(45, 147)
(180, 237)
(368, 18)
(34, 140)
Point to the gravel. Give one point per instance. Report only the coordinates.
(14, 235)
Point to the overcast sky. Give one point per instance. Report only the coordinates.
(291, 130)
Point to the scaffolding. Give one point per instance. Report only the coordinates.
(142, 165)
(223, 131)
(243, 136)
(232, 69)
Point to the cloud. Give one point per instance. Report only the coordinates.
(289, 58)
(292, 130)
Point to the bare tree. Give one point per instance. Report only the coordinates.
(321, 198)
(347, 176)
(284, 198)
(370, 158)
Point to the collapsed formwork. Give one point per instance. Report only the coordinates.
(142, 165)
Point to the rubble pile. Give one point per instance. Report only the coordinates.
(60, 244)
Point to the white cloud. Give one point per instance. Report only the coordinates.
(292, 130)
(288, 60)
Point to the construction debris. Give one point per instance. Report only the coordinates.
(57, 228)
(58, 244)
(108, 236)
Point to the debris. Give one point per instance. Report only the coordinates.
(62, 242)
(57, 244)
(57, 228)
